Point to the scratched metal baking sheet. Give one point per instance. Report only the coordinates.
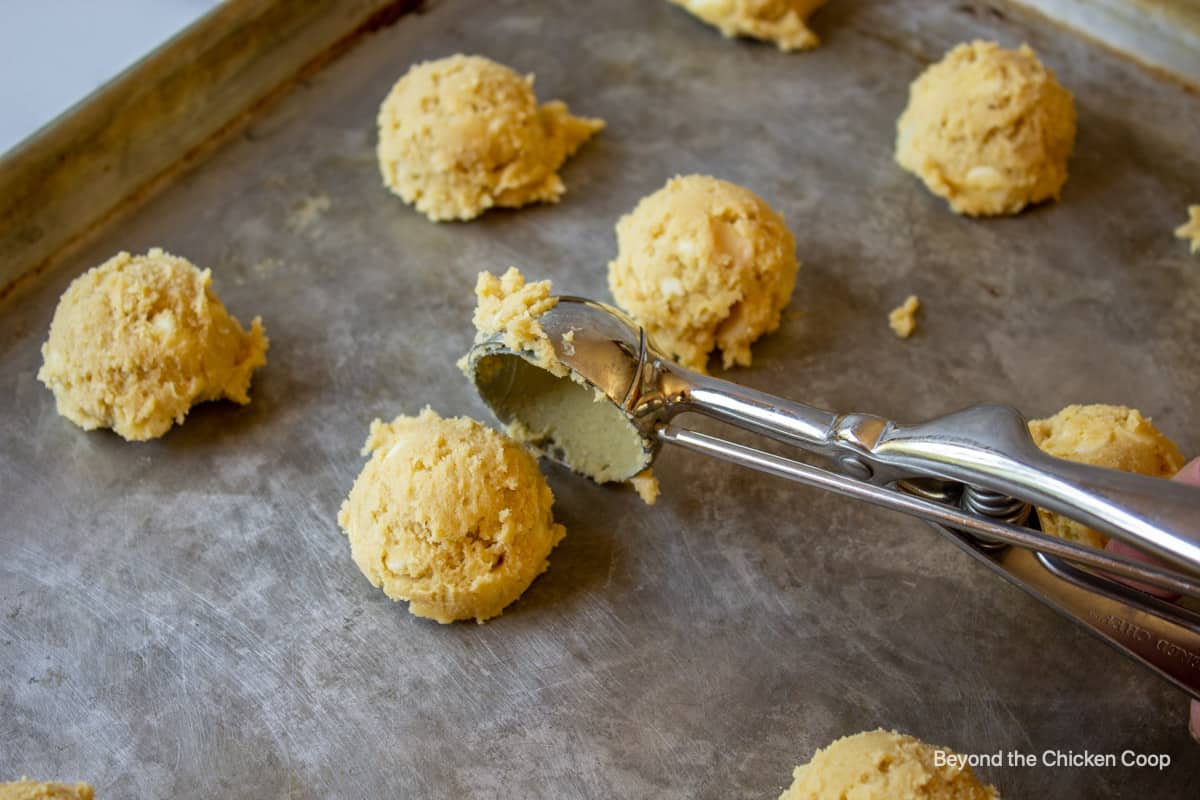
(182, 618)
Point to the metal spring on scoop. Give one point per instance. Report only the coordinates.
(981, 502)
(996, 505)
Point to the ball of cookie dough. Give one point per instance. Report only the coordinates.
(139, 340)
(449, 515)
(884, 765)
(1115, 437)
(26, 789)
(462, 134)
(703, 264)
(988, 129)
(783, 22)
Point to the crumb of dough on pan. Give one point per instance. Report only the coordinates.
(646, 485)
(903, 318)
(1191, 228)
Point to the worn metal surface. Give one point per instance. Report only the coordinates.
(182, 617)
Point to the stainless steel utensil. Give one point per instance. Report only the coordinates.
(973, 474)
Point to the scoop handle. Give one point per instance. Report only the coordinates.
(985, 446)
(678, 390)
(989, 446)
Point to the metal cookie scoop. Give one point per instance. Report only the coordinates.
(973, 474)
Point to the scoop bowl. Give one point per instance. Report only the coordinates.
(585, 420)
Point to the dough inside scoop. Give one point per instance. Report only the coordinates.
(562, 417)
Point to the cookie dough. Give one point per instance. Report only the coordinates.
(462, 134)
(703, 264)
(783, 22)
(508, 307)
(645, 483)
(1191, 229)
(449, 515)
(884, 765)
(25, 789)
(540, 401)
(988, 129)
(1103, 436)
(139, 340)
(903, 318)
